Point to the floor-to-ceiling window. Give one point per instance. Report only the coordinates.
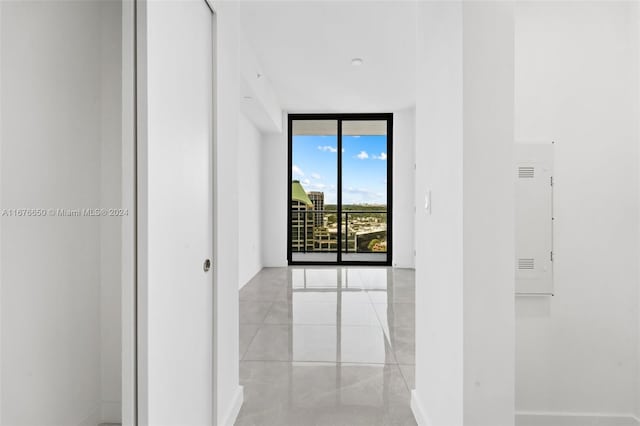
(339, 205)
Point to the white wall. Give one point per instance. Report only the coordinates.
(438, 396)
(577, 84)
(637, 30)
(250, 202)
(260, 103)
(464, 257)
(404, 129)
(274, 189)
(111, 197)
(488, 215)
(229, 393)
(274, 192)
(60, 137)
(1, 205)
(129, 191)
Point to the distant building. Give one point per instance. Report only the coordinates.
(326, 239)
(317, 198)
(371, 240)
(301, 219)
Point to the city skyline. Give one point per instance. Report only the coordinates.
(364, 167)
(315, 229)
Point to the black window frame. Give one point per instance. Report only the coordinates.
(388, 117)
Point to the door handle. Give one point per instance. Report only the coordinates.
(207, 265)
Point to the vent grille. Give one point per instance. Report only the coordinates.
(526, 172)
(526, 263)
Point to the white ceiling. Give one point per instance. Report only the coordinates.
(306, 47)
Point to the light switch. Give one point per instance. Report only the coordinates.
(427, 202)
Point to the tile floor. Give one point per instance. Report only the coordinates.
(327, 346)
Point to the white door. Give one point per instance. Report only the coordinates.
(175, 89)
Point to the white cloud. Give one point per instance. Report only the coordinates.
(328, 148)
(316, 176)
(363, 195)
(359, 191)
(382, 156)
(314, 186)
(363, 155)
(296, 171)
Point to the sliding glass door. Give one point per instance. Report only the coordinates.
(340, 188)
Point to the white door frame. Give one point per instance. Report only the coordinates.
(133, 182)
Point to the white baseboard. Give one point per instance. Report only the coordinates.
(418, 410)
(234, 409)
(271, 263)
(253, 275)
(534, 418)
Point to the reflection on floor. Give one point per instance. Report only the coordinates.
(327, 346)
(333, 257)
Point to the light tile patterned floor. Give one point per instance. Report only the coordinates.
(327, 346)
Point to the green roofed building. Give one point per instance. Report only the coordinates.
(299, 194)
(301, 219)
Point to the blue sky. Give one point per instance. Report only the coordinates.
(364, 167)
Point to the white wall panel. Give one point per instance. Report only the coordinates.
(533, 175)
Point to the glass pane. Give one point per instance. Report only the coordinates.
(364, 190)
(314, 190)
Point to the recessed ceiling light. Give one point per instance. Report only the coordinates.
(356, 62)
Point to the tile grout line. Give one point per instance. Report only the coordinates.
(250, 342)
(388, 339)
(404, 379)
(256, 332)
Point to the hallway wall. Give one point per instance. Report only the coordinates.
(273, 188)
(111, 227)
(250, 202)
(438, 395)
(226, 223)
(404, 149)
(637, 30)
(577, 352)
(464, 249)
(60, 294)
(488, 218)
